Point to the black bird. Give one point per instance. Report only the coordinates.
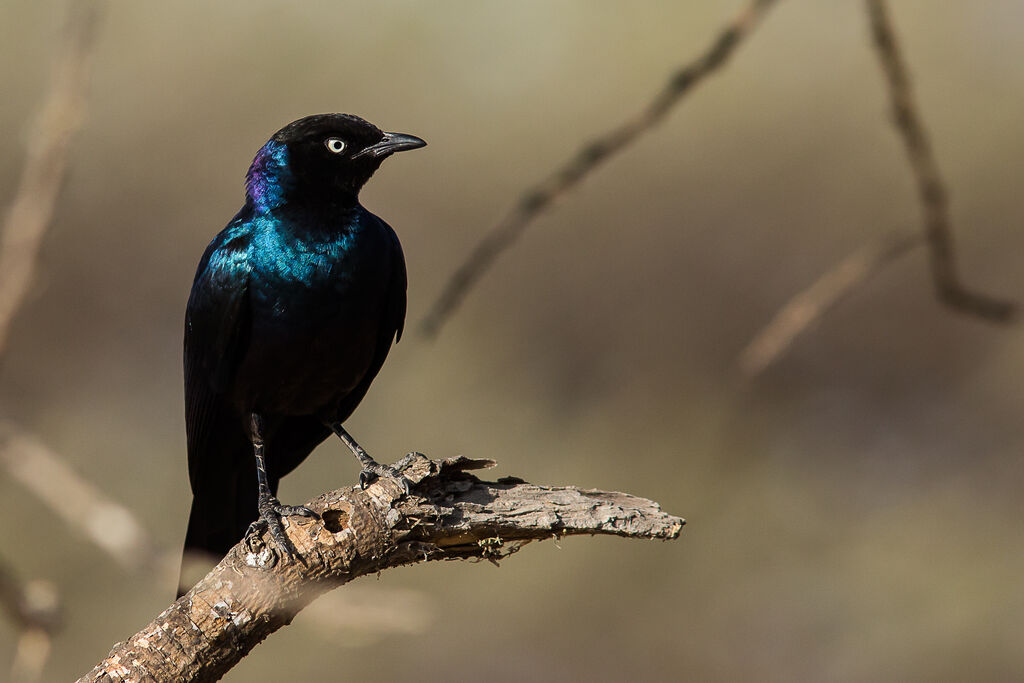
(294, 307)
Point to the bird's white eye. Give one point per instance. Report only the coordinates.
(336, 145)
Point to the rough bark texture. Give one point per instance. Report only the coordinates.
(450, 514)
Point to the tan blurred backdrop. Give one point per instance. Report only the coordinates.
(854, 514)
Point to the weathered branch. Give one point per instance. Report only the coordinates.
(539, 198)
(932, 190)
(450, 514)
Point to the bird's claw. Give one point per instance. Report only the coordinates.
(271, 512)
(372, 471)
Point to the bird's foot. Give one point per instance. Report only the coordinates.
(373, 469)
(271, 512)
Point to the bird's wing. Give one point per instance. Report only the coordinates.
(392, 323)
(394, 316)
(216, 334)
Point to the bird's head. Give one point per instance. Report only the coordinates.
(326, 157)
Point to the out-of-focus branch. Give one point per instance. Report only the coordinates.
(81, 505)
(537, 199)
(804, 309)
(809, 305)
(450, 514)
(934, 199)
(29, 215)
(34, 609)
(34, 605)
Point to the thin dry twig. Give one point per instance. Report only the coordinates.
(450, 514)
(934, 198)
(810, 304)
(536, 200)
(29, 215)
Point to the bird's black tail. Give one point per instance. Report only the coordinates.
(219, 520)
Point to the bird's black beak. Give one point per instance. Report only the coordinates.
(392, 142)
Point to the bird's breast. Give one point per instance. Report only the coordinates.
(316, 315)
(311, 270)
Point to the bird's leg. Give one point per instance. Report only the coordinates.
(270, 509)
(371, 468)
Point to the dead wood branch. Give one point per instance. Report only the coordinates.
(597, 151)
(931, 188)
(808, 306)
(450, 514)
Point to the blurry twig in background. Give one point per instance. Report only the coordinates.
(29, 215)
(536, 200)
(81, 505)
(34, 608)
(934, 200)
(34, 604)
(804, 309)
(809, 305)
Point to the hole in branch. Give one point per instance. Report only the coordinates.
(335, 520)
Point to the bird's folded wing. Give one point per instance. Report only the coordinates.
(216, 335)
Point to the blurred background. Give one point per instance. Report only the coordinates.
(854, 513)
